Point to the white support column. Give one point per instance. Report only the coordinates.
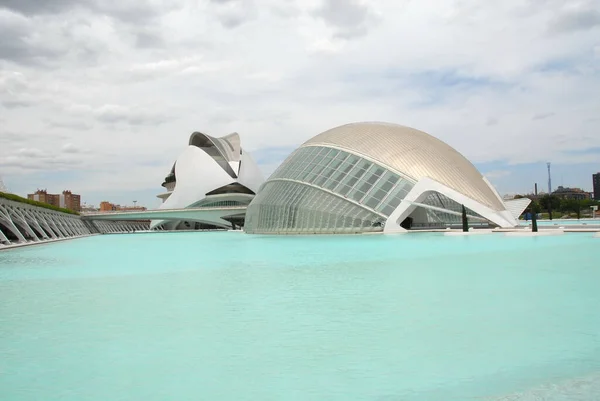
(426, 186)
(47, 219)
(69, 224)
(33, 221)
(18, 217)
(61, 226)
(40, 218)
(53, 221)
(8, 223)
(73, 224)
(3, 238)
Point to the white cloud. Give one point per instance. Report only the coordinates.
(496, 174)
(116, 90)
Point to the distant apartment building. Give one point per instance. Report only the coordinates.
(596, 180)
(70, 200)
(41, 195)
(67, 199)
(106, 206)
(571, 193)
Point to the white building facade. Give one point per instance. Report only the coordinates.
(370, 177)
(211, 172)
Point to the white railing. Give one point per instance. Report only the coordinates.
(157, 211)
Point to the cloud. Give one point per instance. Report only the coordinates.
(12, 138)
(129, 11)
(32, 159)
(33, 7)
(71, 125)
(100, 88)
(543, 116)
(30, 152)
(491, 121)
(43, 41)
(70, 148)
(578, 19)
(234, 13)
(496, 174)
(15, 90)
(187, 65)
(348, 18)
(111, 113)
(325, 46)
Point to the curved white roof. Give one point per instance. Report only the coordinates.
(412, 153)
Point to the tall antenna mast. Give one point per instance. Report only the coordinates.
(549, 179)
(2, 186)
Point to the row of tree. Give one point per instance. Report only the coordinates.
(552, 203)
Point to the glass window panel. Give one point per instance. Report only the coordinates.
(372, 179)
(343, 189)
(379, 194)
(342, 172)
(356, 195)
(353, 176)
(365, 186)
(320, 180)
(387, 210)
(371, 202)
(378, 171)
(386, 185)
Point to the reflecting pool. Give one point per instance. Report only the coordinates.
(229, 316)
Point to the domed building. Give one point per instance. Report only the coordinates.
(369, 177)
(210, 173)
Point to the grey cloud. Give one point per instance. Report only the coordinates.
(30, 158)
(284, 11)
(12, 137)
(221, 118)
(232, 20)
(38, 42)
(233, 13)
(16, 44)
(17, 138)
(349, 18)
(114, 114)
(39, 162)
(15, 103)
(127, 11)
(14, 89)
(578, 20)
(70, 148)
(148, 40)
(74, 125)
(542, 116)
(491, 121)
(30, 152)
(36, 7)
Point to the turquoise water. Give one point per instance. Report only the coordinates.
(229, 316)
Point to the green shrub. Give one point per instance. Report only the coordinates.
(17, 198)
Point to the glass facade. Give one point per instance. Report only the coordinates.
(437, 218)
(321, 189)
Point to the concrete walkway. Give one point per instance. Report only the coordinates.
(48, 241)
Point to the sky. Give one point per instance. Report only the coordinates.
(101, 96)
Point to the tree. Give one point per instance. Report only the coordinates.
(549, 203)
(571, 205)
(534, 207)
